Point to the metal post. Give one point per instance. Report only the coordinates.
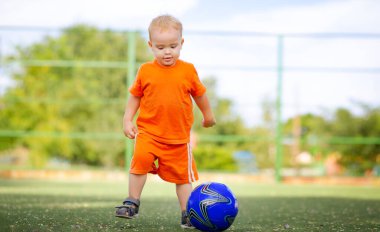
(279, 108)
(130, 76)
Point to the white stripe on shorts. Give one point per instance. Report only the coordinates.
(190, 163)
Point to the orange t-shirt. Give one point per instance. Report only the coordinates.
(166, 107)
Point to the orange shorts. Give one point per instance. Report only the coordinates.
(175, 161)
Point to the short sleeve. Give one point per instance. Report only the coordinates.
(136, 88)
(197, 87)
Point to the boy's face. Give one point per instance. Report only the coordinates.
(166, 45)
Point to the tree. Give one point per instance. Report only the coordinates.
(56, 100)
(228, 122)
(319, 132)
(358, 157)
(218, 155)
(264, 146)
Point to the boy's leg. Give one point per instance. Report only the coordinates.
(136, 185)
(183, 194)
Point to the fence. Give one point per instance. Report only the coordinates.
(247, 65)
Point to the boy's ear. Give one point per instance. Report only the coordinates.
(182, 40)
(150, 43)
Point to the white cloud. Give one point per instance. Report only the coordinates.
(327, 16)
(111, 13)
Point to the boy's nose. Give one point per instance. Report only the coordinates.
(167, 51)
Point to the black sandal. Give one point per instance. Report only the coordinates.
(185, 221)
(129, 209)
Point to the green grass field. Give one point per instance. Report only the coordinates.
(34, 205)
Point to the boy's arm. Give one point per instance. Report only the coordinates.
(204, 105)
(133, 105)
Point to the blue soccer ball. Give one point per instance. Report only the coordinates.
(212, 207)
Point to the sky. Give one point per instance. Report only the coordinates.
(316, 77)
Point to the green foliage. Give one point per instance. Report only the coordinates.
(55, 99)
(356, 157)
(228, 122)
(264, 147)
(218, 155)
(74, 99)
(214, 158)
(313, 128)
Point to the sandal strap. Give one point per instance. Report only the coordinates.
(123, 207)
(129, 200)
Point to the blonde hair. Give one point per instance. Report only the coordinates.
(165, 22)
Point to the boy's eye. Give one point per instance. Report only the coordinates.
(173, 46)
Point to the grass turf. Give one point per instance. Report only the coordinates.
(34, 205)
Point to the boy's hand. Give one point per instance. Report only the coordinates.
(209, 122)
(204, 105)
(130, 130)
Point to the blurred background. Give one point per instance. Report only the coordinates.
(294, 85)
